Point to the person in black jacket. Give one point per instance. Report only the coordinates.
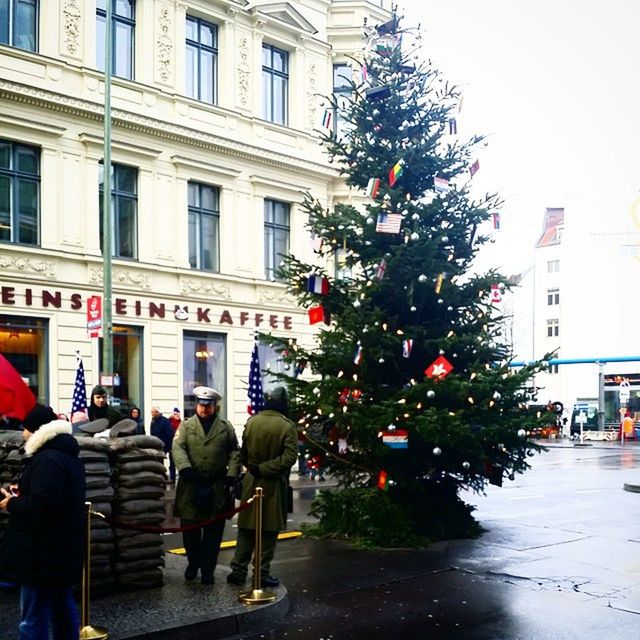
(161, 428)
(99, 406)
(45, 538)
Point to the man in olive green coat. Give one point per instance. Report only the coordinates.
(269, 450)
(206, 455)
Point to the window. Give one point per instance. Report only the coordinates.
(202, 60)
(553, 296)
(342, 93)
(554, 369)
(19, 23)
(553, 266)
(276, 236)
(123, 27)
(204, 362)
(553, 328)
(124, 210)
(204, 224)
(19, 193)
(275, 81)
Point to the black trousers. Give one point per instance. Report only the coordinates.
(203, 545)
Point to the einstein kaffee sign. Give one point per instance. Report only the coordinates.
(130, 307)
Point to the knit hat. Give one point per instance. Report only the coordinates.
(38, 416)
(176, 410)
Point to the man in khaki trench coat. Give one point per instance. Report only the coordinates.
(206, 455)
(269, 450)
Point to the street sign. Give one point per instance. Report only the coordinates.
(624, 392)
(581, 418)
(582, 406)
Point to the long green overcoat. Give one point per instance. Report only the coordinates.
(269, 441)
(214, 457)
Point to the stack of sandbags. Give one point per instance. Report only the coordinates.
(139, 478)
(11, 457)
(94, 454)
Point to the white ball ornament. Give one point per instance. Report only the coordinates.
(415, 217)
(422, 278)
(521, 433)
(497, 395)
(415, 236)
(381, 360)
(445, 239)
(431, 393)
(437, 451)
(466, 466)
(356, 304)
(412, 308)
(440, 301)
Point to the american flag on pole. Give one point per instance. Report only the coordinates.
(79, 400)
(256, 397)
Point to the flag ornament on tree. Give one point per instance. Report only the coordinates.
(441, 185)
(318, 284)
(474, 168)
(316, 314)
(495, 296)
(326, 118)
(316, 242)
(254, 393)
(453, 127)
(373, 186)
(383, 480)
(357, 358)
(388, 223)
(381, 269)
(440, 368)
(495, 217)
(395, 173)
(407, 346)
(79, 399)
(439, 281)
(396, 439)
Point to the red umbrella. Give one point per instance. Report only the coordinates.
(16, 399)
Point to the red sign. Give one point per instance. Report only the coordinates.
(94, 316)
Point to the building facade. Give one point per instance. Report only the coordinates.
(216, 107)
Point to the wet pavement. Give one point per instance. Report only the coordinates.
(560, 559)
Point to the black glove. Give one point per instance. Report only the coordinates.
(230, 481)
(189, 474)
(254, 470)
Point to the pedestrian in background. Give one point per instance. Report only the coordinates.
(269, 449)
(45, 539)
(99, 406)
(206, 455)
(161, 428)
(136, 415)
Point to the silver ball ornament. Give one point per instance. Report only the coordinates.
(440, 301)
(356, 303)
(431, 393)
(521, 433)
(437, 451)
(445, 238)
(412, 308)
(415, 236)
(422, 278)
(466, 466)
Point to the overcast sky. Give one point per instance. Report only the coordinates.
(554, 86)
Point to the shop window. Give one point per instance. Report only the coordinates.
(19, 193)
(127, 369)
(201, 59)
(19, 24)
(23, 342)
(123, 23)
(204, 227)
(204, 362)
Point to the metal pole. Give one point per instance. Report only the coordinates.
(257, 595)
(107, 240)
(600, 396)
(87, 632)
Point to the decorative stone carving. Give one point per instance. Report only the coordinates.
(276, 295)
(165, 45)
(71, 25)
(137, 279)
(312, 98)
(19, 264)
(202, 287)
(244, 70)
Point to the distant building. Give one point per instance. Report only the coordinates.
(216, 109)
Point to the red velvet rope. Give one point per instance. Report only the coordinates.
(155, 529)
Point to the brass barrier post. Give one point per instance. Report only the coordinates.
(257, 595)
(87, 632)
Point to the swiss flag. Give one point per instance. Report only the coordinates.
(16, 399)
(439, 368)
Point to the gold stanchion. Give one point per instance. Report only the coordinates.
(87, 632)
(257, 595)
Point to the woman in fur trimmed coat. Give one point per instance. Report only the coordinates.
(44, 543)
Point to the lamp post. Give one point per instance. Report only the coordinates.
(107, 240)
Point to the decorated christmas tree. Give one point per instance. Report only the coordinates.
(407, 396)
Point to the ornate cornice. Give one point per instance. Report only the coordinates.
(123, 277)
(276, 295)
(19, 264)
(161, 129)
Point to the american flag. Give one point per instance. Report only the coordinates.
(256, 397)
(79, 402)
(389, 223)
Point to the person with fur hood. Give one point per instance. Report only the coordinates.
(45, 538)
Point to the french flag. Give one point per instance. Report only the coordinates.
(318, 284)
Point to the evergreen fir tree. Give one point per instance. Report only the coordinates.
(400, 302)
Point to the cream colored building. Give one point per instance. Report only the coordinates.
(216, 107)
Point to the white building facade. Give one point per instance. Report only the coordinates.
(216, 106)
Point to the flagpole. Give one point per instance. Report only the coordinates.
(107, 240)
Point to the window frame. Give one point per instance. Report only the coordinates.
(553, 328)
(118, 19)
(271, 227)
(200, 48)
(214, 215)
(553, 297)
(12, 25)
(340, 93)
(118, 197)
(553, 266)
(270, 74)
(17, 177)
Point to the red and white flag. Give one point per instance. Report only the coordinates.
(495, 296)
(389, 223)
(473, 169)
(439, 368)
